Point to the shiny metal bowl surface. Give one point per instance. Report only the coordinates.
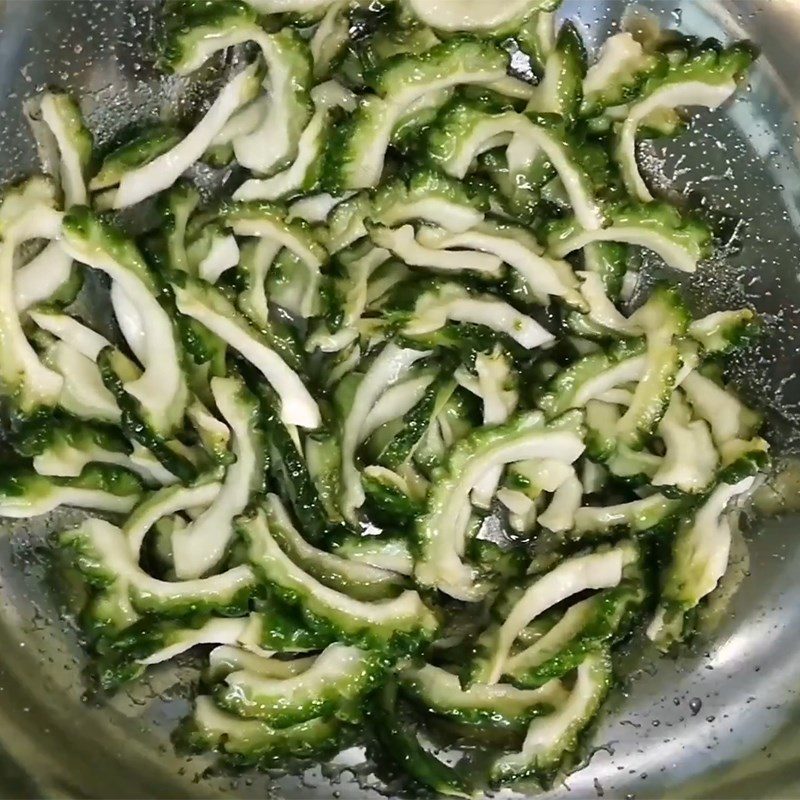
(720, 721)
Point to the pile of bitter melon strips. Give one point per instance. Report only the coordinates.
(379, 428)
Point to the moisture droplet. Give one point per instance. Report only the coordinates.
(695, 704)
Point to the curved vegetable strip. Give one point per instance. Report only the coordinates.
(222, 256)
(274, 141)
(706, 78)
(253, 741)
(474, 15)
(727, 416)
(27, 212)
(129, 321)
(210, 307)
(550, 737)
(163, 503)
(83, 392)
(724, 331)
(452, 302)
(161, 389)
(382, 552)
(104, 557)
(407, 248)
(441, 532)
(575, 575)
(86, 341)
(681, 242)
(699, 559)
(225, 659)
(359, 580)
(71, 143)
(200, 546)
(396, 401)
(466, 131)
(634, 517)
(42, 276)
(544, 276)
(428, 196)
(403, 622)
(498, 705)
(256, 260)
(24, 494)
(269, 221)
(176, 642)
(618, 73)
(358, 159)
(301, 175)
(65, 449)
(330, 686)
(388, 368)
(560, 514)
(691, 460)
(164, 170)
(496, 386)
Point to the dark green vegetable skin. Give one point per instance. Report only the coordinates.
(287, 467)
(135, 427)
(400, 745)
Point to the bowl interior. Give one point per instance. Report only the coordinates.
(713, 722)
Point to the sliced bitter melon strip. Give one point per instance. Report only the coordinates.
(27, 212)
(498, 705)
(163, 503)
(251, 741)
(389, 367)
(103, 555)
(330, 686)
(160, 390)
(600, 570)
(403, 244)
(428, 196)
(356, 157)
(450, 301)
(550, 737)
(728, 417)
(47, 276)
(269, 221)
(200, 546)
(25, 494)
(212, 309)
(706, 78)
(301, 175)
(700, 553)
(65, 144)
(691, 460)
(475, 16)
(635, 516)
(441, 532)
(359, 580)
(403, 622)
(466, 130)
(681, 242)
(163, 171)
(543, 275)
(272, 144)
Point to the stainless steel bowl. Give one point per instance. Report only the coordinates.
(721, 721)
